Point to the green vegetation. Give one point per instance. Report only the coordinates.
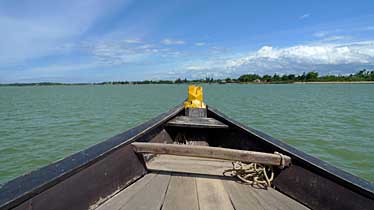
(312, 76)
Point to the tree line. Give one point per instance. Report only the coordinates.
(311, 76)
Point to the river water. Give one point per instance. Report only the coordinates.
(39, 125)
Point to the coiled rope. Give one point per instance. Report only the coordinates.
(253, 173)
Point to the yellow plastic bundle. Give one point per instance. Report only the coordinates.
(195, 97)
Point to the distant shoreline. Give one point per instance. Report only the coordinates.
(337, 82)
(362, 77)
(243, 83)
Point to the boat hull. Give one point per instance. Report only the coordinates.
(88, 178)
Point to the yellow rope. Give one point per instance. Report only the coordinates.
(253, 173)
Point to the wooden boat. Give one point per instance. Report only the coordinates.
(117, 174)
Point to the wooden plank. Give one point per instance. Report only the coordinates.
(182, 193)
(246, 197)
(287, 202)
(272, 199)
(119, 200)
(196, 122)
(242, 200)
(186, 191)
(195, 112)
(211, 152)
(192, 165)
(212, 194)
(150, 197)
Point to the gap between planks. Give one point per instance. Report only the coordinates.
(181, 194)
(153, 187)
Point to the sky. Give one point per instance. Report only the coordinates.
(117, 40)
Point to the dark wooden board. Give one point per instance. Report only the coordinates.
(196, 122)
(212, 152)
(151, 196)
(246, 197)
(121, 198)
(197, 192)
(172, 163)
(212, 194)
(195, 112)
(241, 199)
(182, 193)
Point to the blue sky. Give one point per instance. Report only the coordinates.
(92, 40)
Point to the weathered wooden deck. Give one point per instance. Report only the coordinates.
(195, 122)
(186, 191)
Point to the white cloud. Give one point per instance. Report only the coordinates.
(304, 16)
(31, 30)
(199, 44)
(195, 67)
(146, 46)
(62, 72)
(325, 58)
(335, 38)
(172, 42)
(118, 52)
(133, 41)
(115, 53)
(297, 57)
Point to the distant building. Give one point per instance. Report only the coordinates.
(257, 81)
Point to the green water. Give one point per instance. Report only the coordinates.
(39, 125)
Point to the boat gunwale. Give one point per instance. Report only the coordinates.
(22, 188)
(317, 165)
(25, 187)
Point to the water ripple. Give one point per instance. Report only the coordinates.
(39, 125)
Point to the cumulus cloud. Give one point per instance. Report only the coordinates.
(360, 52)
(302, 57)
(172, 42)
(325, 58)
(31, 31)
